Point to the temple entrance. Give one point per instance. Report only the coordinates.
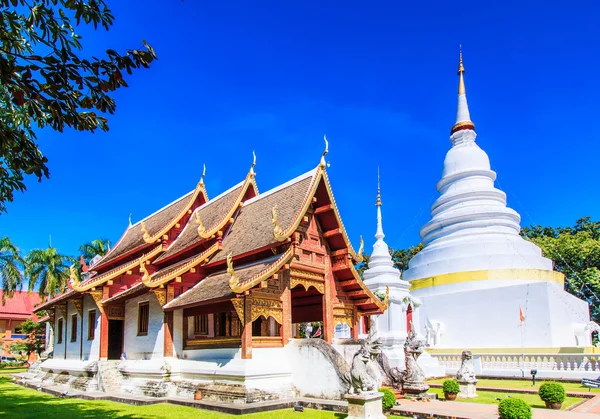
(115, 339)
(307, 306)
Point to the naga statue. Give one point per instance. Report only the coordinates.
(365, 375)
(413, 379)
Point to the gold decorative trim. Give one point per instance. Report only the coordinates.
(488, 275)
(51, 317)
(63, 309)
(307, 280)
(201, 229)
(157, 236)
(153, 281)
(344, 315)
(73, 279)
(100, 279)
(239, 287)
(98, 296)
(359, 255)
(161, 296)
(267, 308)
(78, 304)
(235, 340)
(277, 230)
(238, 304)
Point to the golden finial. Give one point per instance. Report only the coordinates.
(252, 172)
(233, 280)
(201, 183)
(323, 163)
(361, 248)
(201, 229)
(386, 299)
(378, 201)
(461, 70)
(146, 236)
(277, 230)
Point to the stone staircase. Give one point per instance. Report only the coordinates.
(110, 376)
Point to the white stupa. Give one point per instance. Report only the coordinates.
(392, 324)
(476, 273)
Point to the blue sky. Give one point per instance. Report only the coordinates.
(379, 78)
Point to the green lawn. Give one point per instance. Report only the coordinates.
(522, 384)
(489, 397)
(18, 402)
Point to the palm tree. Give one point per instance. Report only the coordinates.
(11, 268)
(94, 248)
(48, 270)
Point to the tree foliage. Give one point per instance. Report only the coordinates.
(45, 83)
(48, 271)
(98, 247)
(34, 342)
(11, 268)
(576, 253)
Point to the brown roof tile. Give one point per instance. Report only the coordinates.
(134, 238)
(210, 214)
(139, 287)
(217, 285)
(253, 226)
(57, 300)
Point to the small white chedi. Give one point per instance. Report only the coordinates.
(475, 272)
(391, 325)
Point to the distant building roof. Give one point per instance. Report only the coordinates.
(20, 306)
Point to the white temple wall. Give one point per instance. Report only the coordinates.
(73, 347)
(178, 338)
(59, 348)
(91, 348)
(150, 346)
(489, 318)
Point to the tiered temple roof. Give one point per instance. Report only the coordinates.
(225, 246)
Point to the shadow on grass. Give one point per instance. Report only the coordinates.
(19, 402)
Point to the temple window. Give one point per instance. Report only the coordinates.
(201, 324)
(91, 324)
(221, 324)
(143, 317)
(257, 327)
(74, 328)
(59, 333)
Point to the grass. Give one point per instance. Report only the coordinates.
(524, 384)
(17, 402)
(489, 397)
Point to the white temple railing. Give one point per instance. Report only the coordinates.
(552, 364)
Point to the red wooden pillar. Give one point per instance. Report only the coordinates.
(103, 295)
(247, 329)
(355, 327)
(168, 325)
(328, 322)
(286, 304)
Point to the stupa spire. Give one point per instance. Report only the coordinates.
(463, 118)
(379, 234)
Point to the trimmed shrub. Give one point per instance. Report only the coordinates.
(451, 386)
(552, 392)
(389, 400)
(514, 409)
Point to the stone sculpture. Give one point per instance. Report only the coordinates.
(413, 380)
(466, 376)
(365, 375)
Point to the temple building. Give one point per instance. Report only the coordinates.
(482, 286)
(213, 289)
(13, 312)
